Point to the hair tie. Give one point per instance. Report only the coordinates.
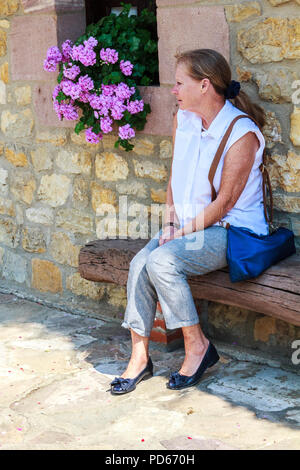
(232, 90)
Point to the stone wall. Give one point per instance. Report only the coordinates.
(54, 187)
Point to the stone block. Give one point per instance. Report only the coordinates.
(132, 188)
(165, 149)
(284, 171)
(163, 108)
(62, 249)
(275, 3)
(23, 187)
(117, 296)
(74, 221)
(149, 169)
(33, 240)
(286, 202)
(111, 167)
(270, 40)
(3, 43)
(8, 7)
(46, 277)
(158, 195)
(173, 25)
(23, 95)
(263, 328)
(40, 215)
(80, 286)
(295, 126)
(272, 130)
(16, 159)
(14, 267)
(7, 207)
(9, 233)
(43, 34)
(102, 196)
(17, 125)
(3, 181)
(275, 85)
(81, 193)
(4, 24)
(143, 146)
(79, 139)
(57, 137)
(54, 189)
(74, 162)
(242, 11)
(2, 92)
(42, 159)
(4, 73)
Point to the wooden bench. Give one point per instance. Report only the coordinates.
(275, 293)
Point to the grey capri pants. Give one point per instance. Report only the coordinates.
(159, 273)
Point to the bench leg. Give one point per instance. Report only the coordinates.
(170, 339)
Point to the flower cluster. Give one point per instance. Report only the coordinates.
(109, 56)
(77, 90)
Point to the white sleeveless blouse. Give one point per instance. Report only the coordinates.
(194, 151)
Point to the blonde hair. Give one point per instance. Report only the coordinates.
(208, 63)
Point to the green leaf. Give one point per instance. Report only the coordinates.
(60, 77)
(115, 77)
(134, 43)
(61, 97)
(79, 127)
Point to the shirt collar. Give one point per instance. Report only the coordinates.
(217, 126)
(220, 122)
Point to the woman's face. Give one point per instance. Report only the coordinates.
(189, 92)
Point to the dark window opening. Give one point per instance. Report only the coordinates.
(98, 9)
(95, 9)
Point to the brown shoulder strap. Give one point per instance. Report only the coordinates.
(266, 179)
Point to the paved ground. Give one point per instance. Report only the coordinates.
(55, 369)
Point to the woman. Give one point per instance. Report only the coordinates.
(193, 240)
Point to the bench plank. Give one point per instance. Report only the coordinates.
(276, 292)
(108, 260)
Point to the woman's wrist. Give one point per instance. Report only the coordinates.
(171, 224)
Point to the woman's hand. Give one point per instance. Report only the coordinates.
(167, 234)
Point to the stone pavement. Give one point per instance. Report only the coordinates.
(55, 369)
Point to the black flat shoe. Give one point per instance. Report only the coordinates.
(178, 381)
(119, 386)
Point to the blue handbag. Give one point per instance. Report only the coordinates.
(248, 254)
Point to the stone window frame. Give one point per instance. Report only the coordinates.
(50, 22)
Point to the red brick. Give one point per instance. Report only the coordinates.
(42, 6)
(163, 107)
(165, 337)
(30, 38)
(158, 322)
(189, 27)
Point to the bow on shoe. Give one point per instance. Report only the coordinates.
(176, 378)
(123, 383)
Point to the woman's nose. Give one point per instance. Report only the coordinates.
(174, 90)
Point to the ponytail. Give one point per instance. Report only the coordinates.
(244, 103)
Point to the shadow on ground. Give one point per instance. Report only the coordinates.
(56, 368)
